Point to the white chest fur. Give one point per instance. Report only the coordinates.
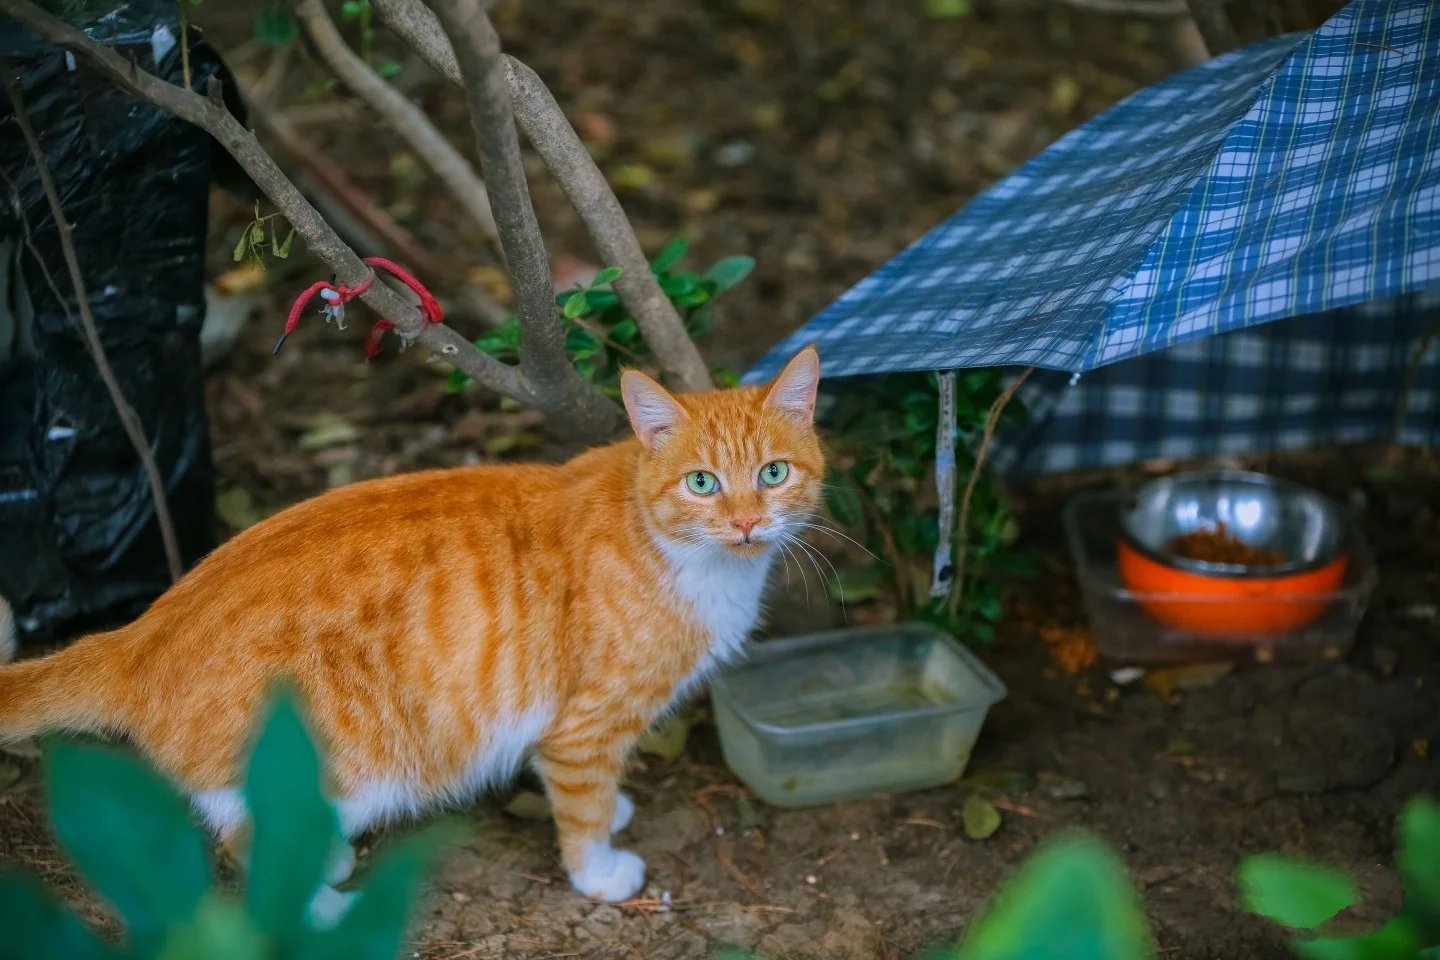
(723, 591)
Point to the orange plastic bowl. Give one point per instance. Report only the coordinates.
(1229, 608)
(1230, 601)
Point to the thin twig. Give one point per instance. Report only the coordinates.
(1412, 373)
(579, 413)
(962, 541)
(184, 44)
(406, 118)
(551, 135)
(129, 419)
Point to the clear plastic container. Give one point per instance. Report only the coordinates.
(839, 715)
(1124, 630)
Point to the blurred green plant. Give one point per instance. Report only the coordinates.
(1307, 896)
(130, 835)
(600, 335)
(882, 437)
(1070, 901)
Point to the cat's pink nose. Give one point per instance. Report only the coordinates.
(745, 524)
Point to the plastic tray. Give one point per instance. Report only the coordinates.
(1124, 630)
(839, 715)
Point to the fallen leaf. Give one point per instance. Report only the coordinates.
(980, 817)
(528, 805)
(237, 508)
(1190, 676)
(752, 817)
(328, 431)
(1064, 95)
(666, 739)
(1420, 747)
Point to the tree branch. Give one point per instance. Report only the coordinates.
(129, 419)
(210, 115)
(545, 126)
(406, 118)
(1214, 25)
(542, 337)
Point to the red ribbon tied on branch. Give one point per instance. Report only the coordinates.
(335, 296)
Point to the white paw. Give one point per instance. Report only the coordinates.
(610, 875)
(341, 865)
(624, 812)
(328, 907)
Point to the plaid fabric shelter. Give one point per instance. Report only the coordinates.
(1289, 179)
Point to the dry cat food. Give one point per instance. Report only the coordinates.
(1218, 545)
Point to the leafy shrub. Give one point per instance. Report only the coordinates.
(602, 338)
(130, 834)
(1070, 901)
(1308, 896)
(882, 446)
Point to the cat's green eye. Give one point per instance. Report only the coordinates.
(701, 482)
(774, 473)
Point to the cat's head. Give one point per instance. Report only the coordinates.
(738, 468)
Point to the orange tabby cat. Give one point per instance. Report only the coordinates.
(444, 626)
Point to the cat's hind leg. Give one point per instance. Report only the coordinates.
(225, 813)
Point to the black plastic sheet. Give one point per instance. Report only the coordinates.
(79, 543)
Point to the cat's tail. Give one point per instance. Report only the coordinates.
(62, 691)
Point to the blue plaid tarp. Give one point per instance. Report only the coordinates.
(1293, 177)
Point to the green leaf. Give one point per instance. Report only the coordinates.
(1419, 855)
(1072, 900)
(295, 828)
(947, 9)
(129, 833)
(608, 275)
(374, 927)
(669, 255)
(352, 8)
(457, 381)
(276, 27)
(219, 931)
(692, 298)
(242, 246)
(625, 332)
(576, 305)
(602, 299)
(729, 271)
(1293, 893)
(37, 924)
(388, 69)
(979, 817)
(282, 249)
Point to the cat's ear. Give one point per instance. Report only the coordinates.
(793, 391)
(653, 411)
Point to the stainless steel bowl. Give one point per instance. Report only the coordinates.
(1261, 510)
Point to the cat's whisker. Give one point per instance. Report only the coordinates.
(810, 553)
(823, 528)
(803, 578)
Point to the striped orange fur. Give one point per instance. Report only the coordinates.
(443, 627)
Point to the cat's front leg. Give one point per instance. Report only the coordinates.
(582, 778)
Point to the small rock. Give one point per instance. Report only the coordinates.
(1065, 788)
(460, 896)
(528, 805)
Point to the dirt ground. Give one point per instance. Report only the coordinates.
(821, 138)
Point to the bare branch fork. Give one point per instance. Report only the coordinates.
(545, 126)
(570, 404)
(129, 419)
(406, 118)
